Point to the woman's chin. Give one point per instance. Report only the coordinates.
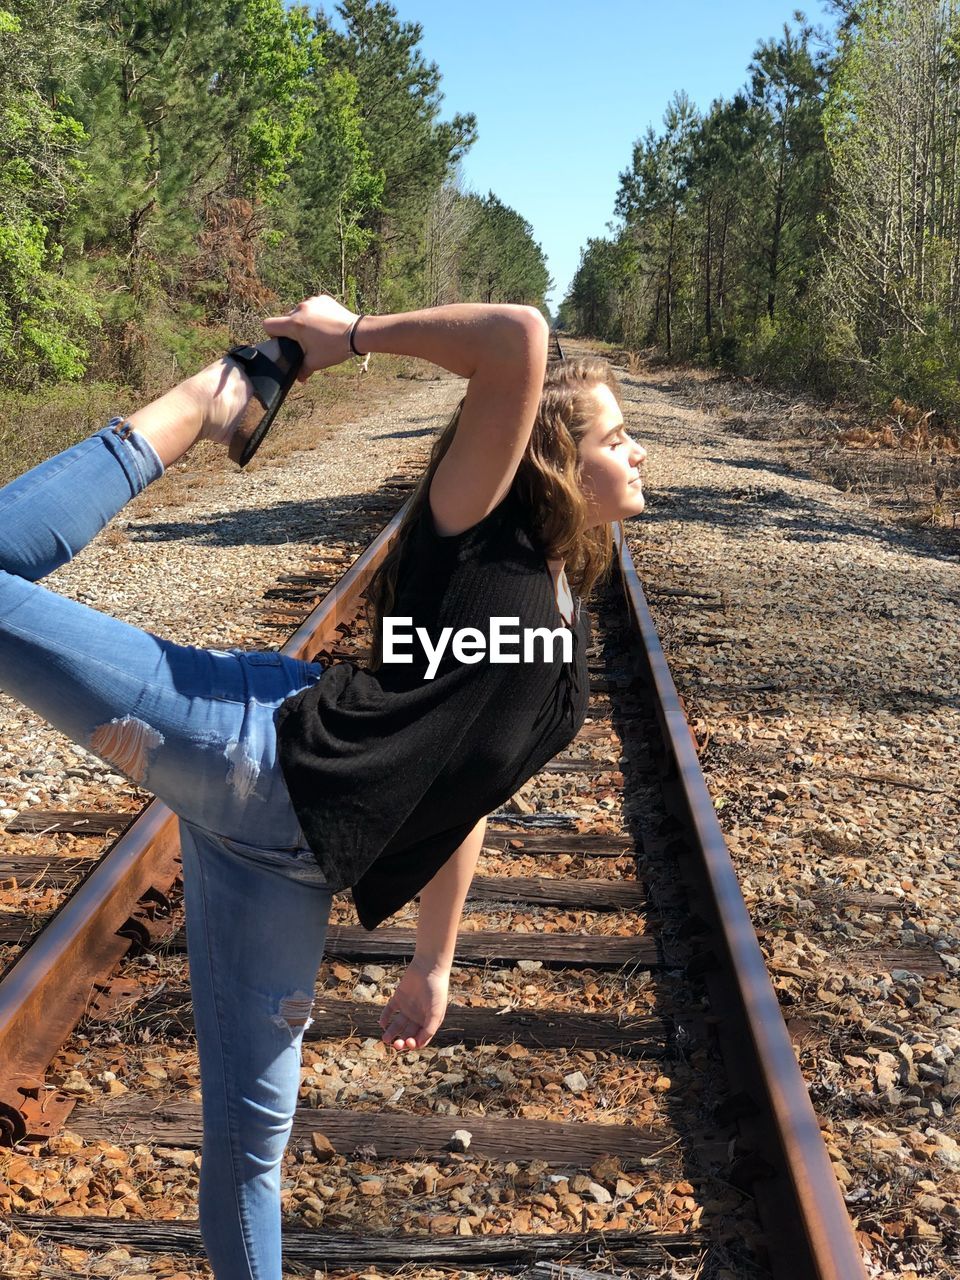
(632, 505)
(628, 510)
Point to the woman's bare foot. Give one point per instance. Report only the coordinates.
(226, 394)
(209, 406)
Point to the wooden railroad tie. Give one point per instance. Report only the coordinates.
(644, 1250)
(345, 1019)
(398, 1136)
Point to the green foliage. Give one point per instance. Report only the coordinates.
(804, 347)
(169, 173)
(183, 335)
(592, 304)
(398, 101)
(42, 317)
(500, 261)
(264, 79)
(894, 254)
(338, 183)
(922, 368)
(40, 313)
(807, 230)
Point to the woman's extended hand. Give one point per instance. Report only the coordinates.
(321, 326)
(413, 1013)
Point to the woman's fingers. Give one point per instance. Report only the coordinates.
(321, 326)
(405, 1038)
(414, 1011)
(392, 1014)
(389, 1011)
(280, 326)
(400, 1028)
(287, 327)
(400, 1025)
(429, 1029)
(409, 1034)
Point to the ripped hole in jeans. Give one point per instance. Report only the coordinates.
(294, 1012)
(126, 744)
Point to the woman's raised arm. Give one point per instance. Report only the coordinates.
(500, 349)
(461, 337)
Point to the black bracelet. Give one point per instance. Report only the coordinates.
(361, 354)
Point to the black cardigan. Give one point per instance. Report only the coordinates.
(388, 771)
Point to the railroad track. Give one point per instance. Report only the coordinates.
(613, 1061)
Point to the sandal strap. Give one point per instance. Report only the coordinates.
(266, 376)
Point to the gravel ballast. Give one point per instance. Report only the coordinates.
(816, 645)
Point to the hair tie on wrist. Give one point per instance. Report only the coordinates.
(361, 354)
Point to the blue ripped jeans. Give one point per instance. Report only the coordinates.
(195, 727)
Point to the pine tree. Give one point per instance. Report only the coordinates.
(42, 317)
(398, 103)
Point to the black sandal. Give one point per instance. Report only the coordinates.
(271, 379)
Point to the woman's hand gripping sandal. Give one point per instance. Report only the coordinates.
(271, 379)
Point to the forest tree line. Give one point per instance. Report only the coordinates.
(172, 168)
(808, 228)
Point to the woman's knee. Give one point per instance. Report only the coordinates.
(263, 1129)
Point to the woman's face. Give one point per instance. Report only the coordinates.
(610, 464)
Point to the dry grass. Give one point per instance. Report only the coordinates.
(37, 426)
(903, 462)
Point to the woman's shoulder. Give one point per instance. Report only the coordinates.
(507, 514)
(502, 537)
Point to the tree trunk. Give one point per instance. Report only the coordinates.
(343, 250)
(673, 220)
(721, 266)
(655, 325)
(708, 297)
(778, 208)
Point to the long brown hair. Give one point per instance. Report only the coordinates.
(547, 485)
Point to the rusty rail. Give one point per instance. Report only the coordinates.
(803, 1211)
(45, 992)
(801, 1182)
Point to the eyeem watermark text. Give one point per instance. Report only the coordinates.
(469, 644)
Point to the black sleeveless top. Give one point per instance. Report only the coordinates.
(389, 771)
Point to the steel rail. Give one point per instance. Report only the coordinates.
(39, 1007)
(45, 991)
(44, 994)
(833, 1252)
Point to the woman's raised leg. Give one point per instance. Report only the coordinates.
(50, 513)
(190, 724)
(195, 727)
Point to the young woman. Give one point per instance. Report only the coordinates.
(292, 781)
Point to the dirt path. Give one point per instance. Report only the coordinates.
(816, 643)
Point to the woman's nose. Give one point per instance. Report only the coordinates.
(639, 455)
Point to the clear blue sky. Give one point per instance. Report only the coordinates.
(562, 89)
